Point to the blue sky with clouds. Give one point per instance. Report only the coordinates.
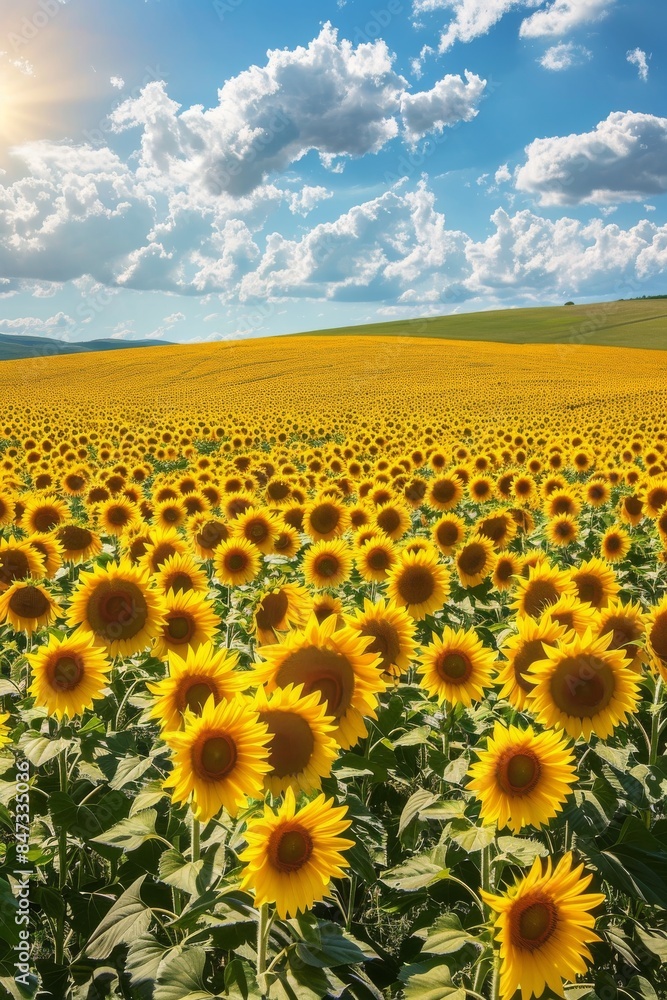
(229, 168)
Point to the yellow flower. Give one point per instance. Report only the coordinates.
(456, 667)
(475, 560)
(393, 633)
(68, 674)
(522, 778)
(193, 678)
(188, 621)
(27, 607)
(292, 856)
(419, 583)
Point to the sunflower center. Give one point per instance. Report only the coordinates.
(538, 595)
(278, 490)
(118, 515)
(582, 686)
(179, 582)
(272, 610)
(117, 610)
(66, 673)
(386, 641)
(589, 589)
(29, 602)
(658, 635)
(532, 922)
(217, 757)
(325, 518)
(292, 742)
(529, 653)
(494, 528)
(211, 535)
(447, 533)
(454, 666)
(443, 490)
(290, 849)
(416, 585)
(73, 538)
(327, 566)
(196, 695)
(45, 519)
(518, 773)
(13, 566)
(236, 562)
(378, 559)
(256, 531)
(160, 554)
(472, 559)
(389, 520)
(633, 505)
(321, 670)
(180, 628)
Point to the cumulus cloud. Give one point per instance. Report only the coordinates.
(117, 81)
(472, 18)
(563, 16)
(304, 201)
(35, 326)
(565, 55)
(624, 158)
(450, 100)
(502, 174)
(638, 58)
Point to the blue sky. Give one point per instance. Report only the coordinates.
(216, 170)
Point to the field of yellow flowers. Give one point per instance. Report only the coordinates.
(334, 668)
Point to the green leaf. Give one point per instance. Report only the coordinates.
(240, 981)
(79, 821)
(144, 957)
(445, 936)
(41, 749)
(182, 874)
(8, 909)
(130, 769)
(182, 977)
(327, 944)
(471, 838)
(150, 795)
(520, 850)
(418, 735)
(456, 771)
(443, 810)
(415, 873)
(643, 987)
(417, 801)
(429, 981)
(654, 940)
(128, 919)
(132, 832)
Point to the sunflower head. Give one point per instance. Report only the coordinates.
(419, 583)
(595, 582)
(392, 631)
(27, 607)
(68, 674)
(193, 677)
(456, 668)
(475, 560)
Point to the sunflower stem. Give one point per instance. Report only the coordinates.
(262, 948)
(196, 836)
(494, 992)
(62, 866)
(350, 904)
(655, 724)
(485, 879)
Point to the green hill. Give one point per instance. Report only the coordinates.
(625, 323)
(13, 348)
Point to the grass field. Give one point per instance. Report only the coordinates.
(634, 323)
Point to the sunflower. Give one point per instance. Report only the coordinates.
(181, 573)
(654, 497)
(595, 582)
(661, 525)
(18, 561)
(573, 614)
(334, 662)
(392, 519)
(78, 544)
(615, 544)
(499, 527)
(170, 513)
(164, 542)
(419, 583)
(50, 550)
(206, 533)
(302, 747)
(287, 542)
(524, 490)
(118, 514)
(286, 606)
(475, 561)
(220, 758)
(444, 492)
(27, 607)
(43, 513)
(326, 606)
(522, 778)
(521, 650)
(545, 584)
(631, 510)
(236, 562)
(327, 564)
(562, 529)
(194, 677)
(5, 738)
(561, 502)
(292, 856)
(448, 533)
(456, 667)
(375, 558)
(627, 627)
(507, 567)
(656, 636)
(325, 519)
(481, 489)
(258, 526)
(393, 632)
(544, 926)
(188, 621)
(7, 508)
(583, 687)
(68, 674)
(115, 604)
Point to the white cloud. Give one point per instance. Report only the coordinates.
(472, 18)
(563, 16)
(304, 201)
(565, 55)
(117, 81)
(502, 174)
(638, 58)
(173, 318)
(449, 101)
(53, 326)
(624, 158)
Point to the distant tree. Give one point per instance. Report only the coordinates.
(569, 303)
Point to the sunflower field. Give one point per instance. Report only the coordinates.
(334, 668)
